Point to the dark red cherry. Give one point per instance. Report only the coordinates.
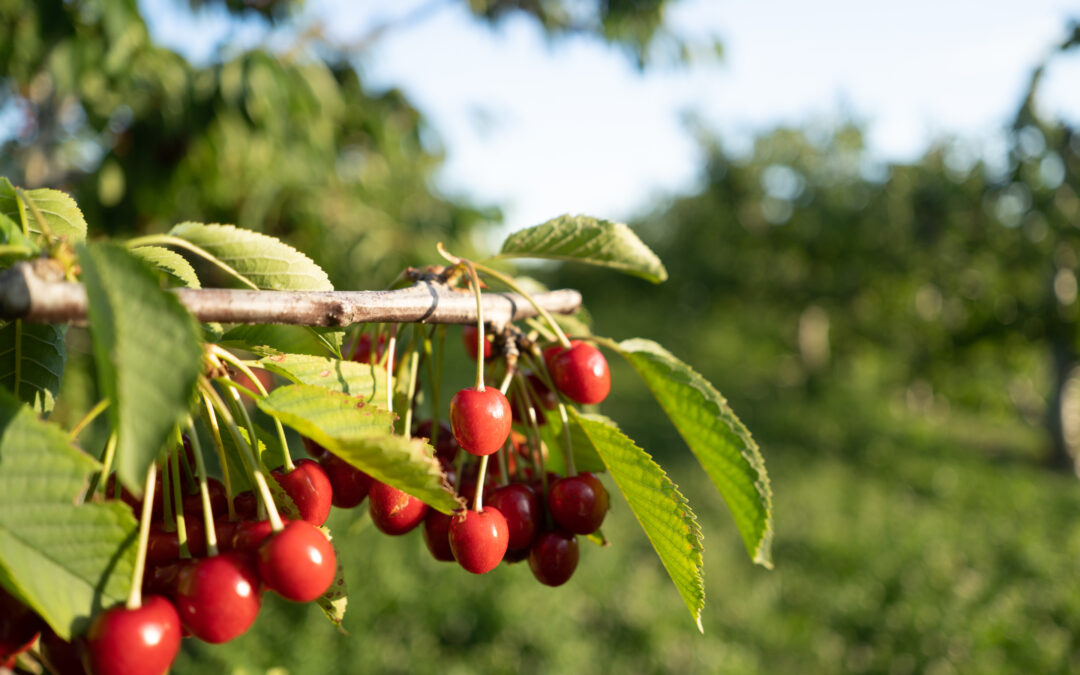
(446, 447)
(393, 511)
(62, 658)
(578, 503)
(478, 539)
(553, 557)
(298, 562)
(437, 535)
(523, 510)
(218, 501)
(314, 449)
(141, 641)
(19, 626)
(469, 335)
(581, 372)
(246, 504)
(362, 350)
(218, 597)
(350, 485)
(224, 529)
(161, 579)
(248, 535)
(309, 488)
(480, 419)
(164, 547)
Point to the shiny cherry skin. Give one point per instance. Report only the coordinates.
(478, 539)
(437, 535)
(523, 510)
(553, 557)
(141, 641)
(581, 372)
(309, 488)
(578, 503)
(249, 535)
(298, 562)
(446, 447)
(469, 335)
(480, 420)
(19, 626)
(394, 512)
(218, 597)
(350, 485)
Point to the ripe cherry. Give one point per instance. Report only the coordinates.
(218, 597)
(314, 449)
(298, 562)
(478, 539)
(218, 500)
(350, 485)
(437, 535)
(523, 510)
(480, 419)
(142, 641)
(581, 372)
(578, 503)
(362, 350)
(19, 626)
(554, 557)
(394, 512)
(248, 535)
(446, 447)
(246, 504)
(468, 336)
(163, 547)
(309, 488)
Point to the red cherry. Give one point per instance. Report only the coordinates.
(350, 485)
(218, 597)
(298, 562)
(161, 579)
(314, 449)
(394, 512)
(478, 539)
(218, 501)
(248, 535)
(480, 419)
(578, 503)
(19, 626)
(309, 488)
(362, 350)
(62, 658)
(164, 547)
(141, 641)
(581, 372)
(225, 529)
(246, 504)
(446, 448)
(437, 535)
(523, 510)
(469, 335)
(554, 557)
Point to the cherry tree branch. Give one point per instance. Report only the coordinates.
(33, 292)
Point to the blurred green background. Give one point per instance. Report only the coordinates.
(902, 342)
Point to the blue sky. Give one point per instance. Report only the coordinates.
(542, 128)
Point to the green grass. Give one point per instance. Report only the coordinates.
(919, 556)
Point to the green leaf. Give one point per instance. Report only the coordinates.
(65, 561)
(170, 262)
(266, 262)
(32, 361)
(355, 379)
(335, 600)
(585, 457)
(147, 351)
(360, 434)
(587, 240)
(715, 435)
(657, 504)
(14, 245)
(59, 211)
(279, 338)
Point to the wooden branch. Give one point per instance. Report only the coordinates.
(32, 292)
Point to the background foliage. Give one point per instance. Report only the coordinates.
(901, 339)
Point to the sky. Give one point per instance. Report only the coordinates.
(542, 127)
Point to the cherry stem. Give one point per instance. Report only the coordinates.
(219, 445)
(533, 427)
(536, 362)
(414, 365)
(479, 324)
(89, 417)
(391, 345)
(504, 469)
(226, 355)
(168, 524)
(178, 501)
(481, 476)
(134, 600)
(107, 461)
(204, 490)
(513, 285)
(434, 372)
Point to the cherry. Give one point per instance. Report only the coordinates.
(362, 350)
(218, 597)
(480, 419)
(468, 336)
(164, 547)
(161, 579)
(246, 504)
(437, 535)
(314, 449)
(309, 488)
(478, 539)
(142, 641)
(298, 562)
(62, 658)
(581, 372)
(578, 503)
(446, 448)
(394, 512)
(19, 626)
(350, 485)
(554, 557)
(248, 535)
(523, 510)
(224, 529)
